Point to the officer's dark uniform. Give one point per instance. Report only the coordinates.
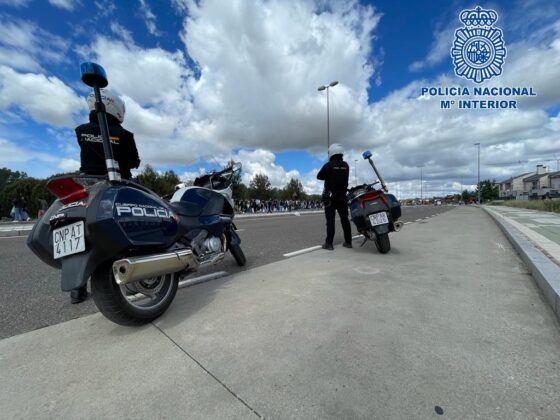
(335, 174)
(91, 145)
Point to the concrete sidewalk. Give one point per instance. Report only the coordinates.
(449, 318)
(535, 235)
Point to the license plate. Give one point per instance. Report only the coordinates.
(68, 240)
(378, 219)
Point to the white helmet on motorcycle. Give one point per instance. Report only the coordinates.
(113, 104)
(336, 149)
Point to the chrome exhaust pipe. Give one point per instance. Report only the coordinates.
(133, 269)
(398, 226)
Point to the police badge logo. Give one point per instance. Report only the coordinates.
(478, 51)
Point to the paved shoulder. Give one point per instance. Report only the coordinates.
(526, 231)
(449, 318)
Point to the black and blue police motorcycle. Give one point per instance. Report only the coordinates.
(132, 244)
(374, 212)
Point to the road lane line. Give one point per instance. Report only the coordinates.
(417, 220)
(312, 248)
(407, 223)
(202, 279)
(302, 251)
(186, 283)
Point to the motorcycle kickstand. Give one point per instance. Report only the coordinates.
(364, 242)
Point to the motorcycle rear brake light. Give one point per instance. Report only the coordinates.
(67, 190)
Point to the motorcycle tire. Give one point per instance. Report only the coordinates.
(383, 243)
(123, 306)
(238, 254)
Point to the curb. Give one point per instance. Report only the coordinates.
(276, 214)
(14, 233)
(543, 270)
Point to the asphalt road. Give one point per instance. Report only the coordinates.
(30, 295)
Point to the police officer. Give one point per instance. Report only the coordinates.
(122, 141)
(92, 157)
(335, 174)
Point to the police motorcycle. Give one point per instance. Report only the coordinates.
(374, 212)
(131, 243)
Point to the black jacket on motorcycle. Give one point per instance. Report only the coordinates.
(335, 174)
(91, 147)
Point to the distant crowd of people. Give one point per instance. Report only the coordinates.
(274, 206)
(19, 212)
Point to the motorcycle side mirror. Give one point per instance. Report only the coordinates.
(93, 75)
(366, 154)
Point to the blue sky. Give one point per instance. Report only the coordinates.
(210, 80)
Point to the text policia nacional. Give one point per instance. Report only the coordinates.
(503, 96)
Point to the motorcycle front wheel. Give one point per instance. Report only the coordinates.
(238, 254)
(135, 303)
(383, 243)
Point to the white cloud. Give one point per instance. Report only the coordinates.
(438, 51)
(65, 4)
(69, 165)
(45, 99)
(122, 32)
(105, 7)
(263, 162)
(24, 45)
(15, 3)
(149, 18)
(259, 89)
(11, 153)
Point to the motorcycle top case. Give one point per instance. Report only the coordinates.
(395, 206)
(118, 220)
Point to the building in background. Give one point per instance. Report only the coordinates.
(531, 185)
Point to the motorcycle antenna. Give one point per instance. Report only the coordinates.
(94, 76)
(367, 155)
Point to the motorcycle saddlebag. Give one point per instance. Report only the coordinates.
(394, 206)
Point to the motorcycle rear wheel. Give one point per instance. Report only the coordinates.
(238, 254)
(383, 243)
(135, 303)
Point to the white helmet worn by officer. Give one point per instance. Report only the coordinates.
(113, 104)
(336, 149)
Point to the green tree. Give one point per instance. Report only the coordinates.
(467, 196)
(488, 190)
(32, 190)
(294, 190)
(160, 183)
(260, 187)
(7, 176)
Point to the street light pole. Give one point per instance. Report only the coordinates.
(321, 88)
(356, 171)
(421, 186)
(478, 184)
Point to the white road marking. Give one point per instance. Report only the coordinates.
(186, 283)
(201, 279)
(407, 223)
(240, 230)
(366, 270)
(417, 220)
(302, 251)
(312, 248)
